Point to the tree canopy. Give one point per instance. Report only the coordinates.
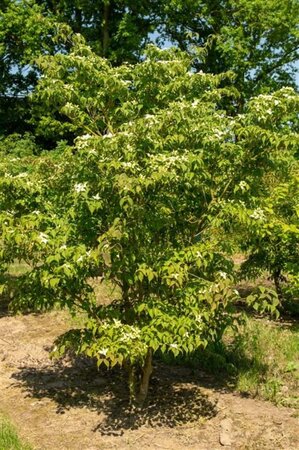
(159, 177)
(163, 163)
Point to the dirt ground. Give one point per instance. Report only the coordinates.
(73, 406)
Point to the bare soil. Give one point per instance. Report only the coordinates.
(70, 405)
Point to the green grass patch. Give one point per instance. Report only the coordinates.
(9, 439)
(262, 360)
(266, 360)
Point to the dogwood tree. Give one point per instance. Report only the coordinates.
(157, 177)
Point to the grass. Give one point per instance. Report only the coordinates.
(9, 439)
(266, 361)
(262, 360)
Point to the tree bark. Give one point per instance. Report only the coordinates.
(132, 381)
(139, 382)
(106, 27)
(145, 378)
(276, 278)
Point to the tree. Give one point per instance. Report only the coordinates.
(270, 240)
(257, 39)
(272, 244)
(143, 201)
(30, 29)
(115, 29)
(25, 33)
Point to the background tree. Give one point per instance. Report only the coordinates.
(29, 29)
(26, 32)
(258, 40)
(115, 29)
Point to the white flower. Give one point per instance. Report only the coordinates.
(166, 62)
(258, 214)
(243, 185)
(219, 133)
(126, 133)
(22, 175)
(96, 197)
(43, 238)
(129, 164)
(117, 322)
(108, 135)
(80, 187)
(173, 346)
(82, 141)
(223, 275)
(103, 351)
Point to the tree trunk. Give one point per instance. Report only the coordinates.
(145, 378)
(138, 385)
(132, 381)
(106, 27)
(277, 278)
(78, 20)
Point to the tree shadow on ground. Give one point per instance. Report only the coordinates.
(176, 395)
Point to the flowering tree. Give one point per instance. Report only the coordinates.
(144, 201)
(271, 239)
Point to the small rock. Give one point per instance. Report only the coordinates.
(225, 432)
